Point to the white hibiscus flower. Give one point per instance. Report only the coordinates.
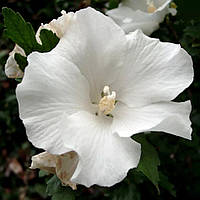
(96, 89)
(141, 14)
(57, 26)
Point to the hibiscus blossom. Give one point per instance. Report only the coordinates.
(141, 14)
(96, 89)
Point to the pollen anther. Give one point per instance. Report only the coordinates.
(151, 7)
(107, 102)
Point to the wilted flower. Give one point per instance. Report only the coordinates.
(12, 69)
(96, 89)
(57, 26)
(141, 14)
(62, 165)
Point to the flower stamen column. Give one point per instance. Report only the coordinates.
(107, 102)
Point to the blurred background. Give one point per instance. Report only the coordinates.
(180, 159)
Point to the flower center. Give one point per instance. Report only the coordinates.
(151, 7)
(107, 102)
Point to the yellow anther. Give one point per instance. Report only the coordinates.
(107, 102)
(151, 7)
(173, 5)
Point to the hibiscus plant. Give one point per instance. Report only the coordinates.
(92, 87)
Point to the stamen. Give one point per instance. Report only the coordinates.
(151, 7)
(106, 90)
(112, 96)
(107, 102)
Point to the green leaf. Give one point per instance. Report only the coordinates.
(49, 40)
(21, 61)
(113, 4)
(43, 173)
(22, 33)
(19, 31)
(164, 183)
(126, 191)
(40, 189)
(63, 195)
(53, 185)
(57, 191)
(149, 160)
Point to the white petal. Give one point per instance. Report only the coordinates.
(105, 158)
(130, 20)
(51, 88)
(57, 26)
(154, 71)
(173, 11)
(133, 14)
(12, 69)
(96, 45)
(135, 4)
(167, 117)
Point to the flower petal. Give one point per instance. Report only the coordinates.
(154, 71)
(96, 45)
(44, 161)
(65, 166)
(51, 88)
(170, 117)
(130, 20)
(12, 69)
(136, 14)
(105, 158)
(62, 165)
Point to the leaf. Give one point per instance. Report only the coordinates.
(57, 191)
(40, 189)
(164, 183)
(43, 173)
(19, 31)
(149, 160)
(53, 185)
(49, 40)
(22, 33)
(113, 4)
(63, 195)
(126, 191)
(21, 61)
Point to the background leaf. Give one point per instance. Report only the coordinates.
(149, 160)
(21, 61)
(22, 33)
(57, 191)
(19, 31)
(49, 40)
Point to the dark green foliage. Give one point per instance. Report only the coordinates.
(149, 160)
(49, 40)
(19, 31)
(21, 61)
(22, 33)
(127, 191)
(113, 4)
(57, 191)
(164, 183)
